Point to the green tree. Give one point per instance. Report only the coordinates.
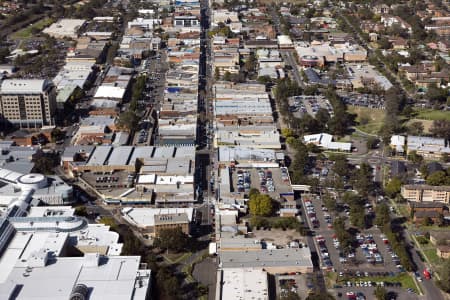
(329, 202)
(168, 283)
(171, 239)
(323, 117)
(250, 63)
(427, 221)
(444, 273)
(289, 296)
(217, 73)
(81, 211)
(128, 120)
(287, 132)
(57, 135)
(382, 217)
(264, 79)
(372, 142)
(393, 187)
(227, 76)
(45, 162)
(261, 205)
(362, 178)
(341, 166)
(438, 178)
(435, 94)
(319, 296)
(445, 158)
(415, 128)
(441, 128)
(357, 217)
(414, 157)
(380, 293)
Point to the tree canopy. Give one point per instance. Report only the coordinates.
(438, 178)
(172, 239)
(261, 205)
(393, 187)
(444, 273)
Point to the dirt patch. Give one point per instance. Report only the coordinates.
(277, 236)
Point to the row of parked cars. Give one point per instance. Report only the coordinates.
(324, 251)
(266, 181)
(311, 212)
(284, 174)
(143, 136)
(243, 181)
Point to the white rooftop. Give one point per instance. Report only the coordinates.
(23, 86)
(110, 92)
(65, 27)
(244, 283)
(143, 217)
(112, 278)
(325, 140)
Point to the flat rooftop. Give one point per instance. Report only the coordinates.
(113, 278)
(244, 283)
(143, 217)
(297, 257)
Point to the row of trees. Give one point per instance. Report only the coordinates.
(383, 221)
(130, 118)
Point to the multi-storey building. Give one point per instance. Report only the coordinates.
(426, 193)
(28, 102)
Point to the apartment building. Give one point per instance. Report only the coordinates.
(28, 102)
(171, 221)
(426, 193)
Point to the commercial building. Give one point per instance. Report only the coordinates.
(49, 190)
(151, 220)
(115, 84)
(186, 23)
(426, 193)
(36, 245)
(242, 283)
(325, 140)
(428, 147)
(276, 261)
(65, 28)
(28, 102)
(249, 157)
(398, 143)
(318, 53)
(367, 76)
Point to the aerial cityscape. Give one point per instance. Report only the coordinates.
(224, 149)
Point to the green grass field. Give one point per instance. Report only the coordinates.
(405, 280)
(431, 114)
(26, 32)
(432, 256)
(370, 120)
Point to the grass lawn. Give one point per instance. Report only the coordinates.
(370, 119)
(426, 124)
(176, 257)
(405, 280)
(432, 256)
(26, 32)
(431, 114)
(330, 279)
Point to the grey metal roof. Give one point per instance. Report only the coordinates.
(300, 257)
(120, 155)
(99, 156)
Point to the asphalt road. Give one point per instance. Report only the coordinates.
(290, 60)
